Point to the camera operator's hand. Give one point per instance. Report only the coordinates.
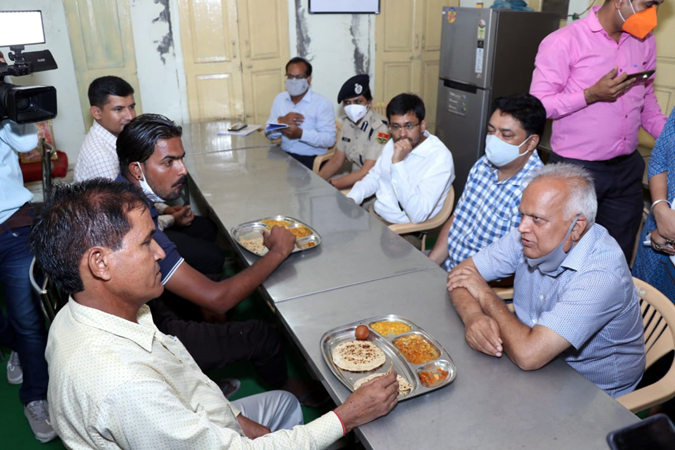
(372, 400)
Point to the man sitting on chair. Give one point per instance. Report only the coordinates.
(310, 117)
(488, 208)
(116, 381)
(573, 293)
(414, 173)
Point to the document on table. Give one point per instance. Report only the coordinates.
(248, 129)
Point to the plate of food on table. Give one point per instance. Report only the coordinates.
(361, 351)
(249, 235)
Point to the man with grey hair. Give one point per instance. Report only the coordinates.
(573, 292)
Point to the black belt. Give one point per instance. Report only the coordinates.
(607, 162)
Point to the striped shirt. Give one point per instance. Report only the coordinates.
(487, 210)
(590, 301)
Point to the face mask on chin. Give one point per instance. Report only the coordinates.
(551, 262)
(501, 153)
(147, 190)
(355, 112)
(297, 87)
(639, 24)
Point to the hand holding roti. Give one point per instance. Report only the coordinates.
(374, 399)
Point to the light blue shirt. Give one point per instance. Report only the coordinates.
(318, 129)
(590, 301)
(14, 138)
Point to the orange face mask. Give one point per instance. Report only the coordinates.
(639, 24)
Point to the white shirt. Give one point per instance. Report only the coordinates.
(318, 128)
(412, 190)
(118, 384)
(98, 155)
(14, 138)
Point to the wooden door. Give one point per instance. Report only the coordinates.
(265, 52)
(212, 61)
(397, 70)
(102, 43)
(408, 51)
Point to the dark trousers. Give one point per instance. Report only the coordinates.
(214, 345)
(307, 161)
(196, 244)
(618, 185)
(23, 328)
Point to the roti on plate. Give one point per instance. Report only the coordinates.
(404, 387)
(358, 356)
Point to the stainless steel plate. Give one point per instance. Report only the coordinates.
(401, 365)
(253, 230)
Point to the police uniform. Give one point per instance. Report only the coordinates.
(364, 140)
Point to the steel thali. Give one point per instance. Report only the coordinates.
(249, 234)
(436, 372)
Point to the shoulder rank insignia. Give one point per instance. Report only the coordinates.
(382, 137)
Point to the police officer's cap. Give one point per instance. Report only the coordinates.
(355, 86)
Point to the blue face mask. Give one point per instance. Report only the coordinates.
(551, 262)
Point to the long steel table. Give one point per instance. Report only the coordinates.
(245, 185)
(203, 137)
(361, 270)
(492, 404)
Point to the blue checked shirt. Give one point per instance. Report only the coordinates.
(590, 301)
(487, 210)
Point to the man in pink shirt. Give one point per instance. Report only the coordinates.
(581, 77)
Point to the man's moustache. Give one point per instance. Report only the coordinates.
(179, 182)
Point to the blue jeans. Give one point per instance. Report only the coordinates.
(23, 329)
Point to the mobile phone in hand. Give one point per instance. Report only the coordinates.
(641, 75)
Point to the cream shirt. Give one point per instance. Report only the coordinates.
(118, 384)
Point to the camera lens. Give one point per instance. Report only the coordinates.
(24, 104)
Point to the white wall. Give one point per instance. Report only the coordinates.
(338, 45)
(159, 59)
(68, 124)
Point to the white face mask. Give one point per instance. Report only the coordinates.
(500, 153)
(355, 112)
(297, 87)
(551, 262)
(147, 190)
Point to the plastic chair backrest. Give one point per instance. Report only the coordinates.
(49, 295)
(319, 160)
(658, 319)
(431, 223)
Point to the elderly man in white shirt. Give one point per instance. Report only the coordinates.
(413, 176)
(116, 381)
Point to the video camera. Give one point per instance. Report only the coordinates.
(25, 104)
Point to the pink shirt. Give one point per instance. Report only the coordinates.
(574, 58)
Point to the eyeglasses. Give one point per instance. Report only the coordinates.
(295, 77)
(408, 127)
